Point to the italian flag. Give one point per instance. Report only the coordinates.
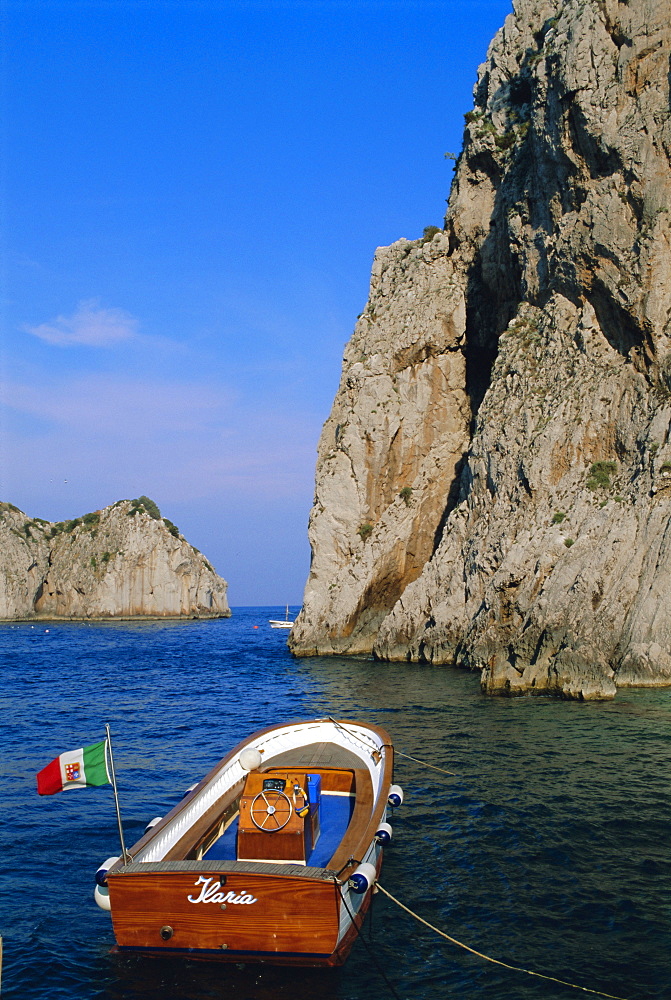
(75, 769)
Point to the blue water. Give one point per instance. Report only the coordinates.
(550, 850)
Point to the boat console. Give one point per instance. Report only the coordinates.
(279, 816)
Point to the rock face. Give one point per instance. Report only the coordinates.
(494, 482)
(123, 561)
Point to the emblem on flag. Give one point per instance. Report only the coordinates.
(73, 771)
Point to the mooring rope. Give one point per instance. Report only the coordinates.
(397, 753)
(367, 945)
(488, 958)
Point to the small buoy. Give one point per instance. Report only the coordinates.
(256, 626)
(46, 630)
(250, 759)
(152, 823)
(383, 835)
(362, 878)
(395, 796)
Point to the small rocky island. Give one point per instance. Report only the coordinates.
(124, 561)
(493, 485)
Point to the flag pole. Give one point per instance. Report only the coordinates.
(116, 794)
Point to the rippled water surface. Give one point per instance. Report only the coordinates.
(550, 850)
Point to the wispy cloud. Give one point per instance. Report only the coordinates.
(89, 324)
(233, 470)
(181, 440)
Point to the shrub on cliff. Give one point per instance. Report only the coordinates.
(599, 475)
(505, 141)
(143, 505)
(150, 507)
(172, 528)
(429, 233)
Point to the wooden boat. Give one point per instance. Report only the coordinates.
(272, 857)
(281, 623)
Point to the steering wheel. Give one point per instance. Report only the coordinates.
(270, 810)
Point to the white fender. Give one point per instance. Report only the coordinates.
(395, 795)
(101, 874)
(384, 834)
(101, 894)
(152, 823)
(362, 878)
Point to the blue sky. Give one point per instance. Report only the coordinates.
(193, 193)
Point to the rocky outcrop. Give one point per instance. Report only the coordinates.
(121, 562)
(494, 482)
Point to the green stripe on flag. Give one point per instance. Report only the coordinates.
(95, 764)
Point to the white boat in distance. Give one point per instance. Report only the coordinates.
(279, 623)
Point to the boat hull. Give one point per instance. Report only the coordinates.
(151, 903)
(293, 921)
(272, 911)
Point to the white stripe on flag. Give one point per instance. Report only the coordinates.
(72, 776)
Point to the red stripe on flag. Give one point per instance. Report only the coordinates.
(49, 778)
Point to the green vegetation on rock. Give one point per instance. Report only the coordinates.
(144, 505)
(599, 475)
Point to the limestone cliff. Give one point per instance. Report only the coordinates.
(123, 561)
(494, 481)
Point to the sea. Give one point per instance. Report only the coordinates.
(548, 848)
